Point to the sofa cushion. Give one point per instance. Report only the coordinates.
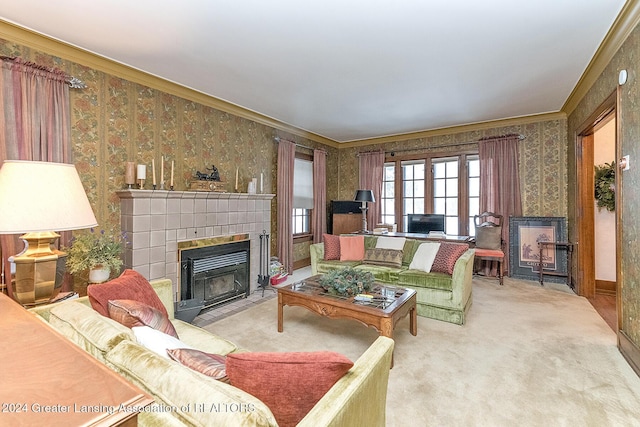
(132, 313)
(129, 285)
(204, 340)
(327, 266)
(420, 279)
(409, 250)
(331, 246)
(447, 256)
(157, 341)
(290, 384)
(424, 256)
(209, 364)
(84, 326)
(351, 248)
(387, 257)
(396, 243)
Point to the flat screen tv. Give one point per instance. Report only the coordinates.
(424, 223)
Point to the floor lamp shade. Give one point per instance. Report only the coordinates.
(39, 198)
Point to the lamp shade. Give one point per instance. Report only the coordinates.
(364, 196)
(42, 196)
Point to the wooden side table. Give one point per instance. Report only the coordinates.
(554, 245)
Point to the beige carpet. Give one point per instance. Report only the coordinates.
(528, 356)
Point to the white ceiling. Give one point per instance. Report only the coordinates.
(346, 69)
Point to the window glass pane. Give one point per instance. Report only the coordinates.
(452, 169)
(418, 205)
(418, 171)
(439, 170)
(418, 188)
(389, 206)
(439, 188)
(452, 206)
(389, 173)
(451, 225)
(408, 206)
(452, 187)
(474, 187)
(439, 206)
(408, 189)
(474, 206)
(407, 172)
(474, 167)
(389, 188)
(472, 228)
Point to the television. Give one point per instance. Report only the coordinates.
(425, 223)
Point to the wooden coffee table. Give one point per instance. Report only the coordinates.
(381, 313)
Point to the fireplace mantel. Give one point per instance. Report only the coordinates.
(156, 220)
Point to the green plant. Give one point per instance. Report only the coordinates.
(605, 181)
(347, 281)
(92, 249)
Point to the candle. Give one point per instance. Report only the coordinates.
(261, 182)
(162, 170)
(172, 164)
(236, 187)
(130, 173)
(153, 170)
(142, 172)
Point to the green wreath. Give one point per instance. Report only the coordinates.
(605, 185)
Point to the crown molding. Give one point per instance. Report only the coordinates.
(624, 24)
(514, 121)
(17, 34)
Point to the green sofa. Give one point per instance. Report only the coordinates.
(439, 296)
(358, 398)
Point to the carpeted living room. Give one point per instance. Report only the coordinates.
(321, 214)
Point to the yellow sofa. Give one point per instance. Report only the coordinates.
(357, 399)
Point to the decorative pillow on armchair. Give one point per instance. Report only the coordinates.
(130, 285)
(290, 384)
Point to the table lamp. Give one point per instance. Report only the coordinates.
(38, 198)
(364, 196)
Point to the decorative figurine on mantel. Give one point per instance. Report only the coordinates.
(208, 181)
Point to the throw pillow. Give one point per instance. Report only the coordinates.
(331, 246)
(351, 248)
(424, 256)
(396, 243)
(157, 341)
(130, 285)
(447, 256)
(135, 313)
(209, 364)
(386, 257)
(290, 384)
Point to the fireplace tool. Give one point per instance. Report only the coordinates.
(263, 277)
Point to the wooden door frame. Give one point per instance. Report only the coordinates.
(585, 202)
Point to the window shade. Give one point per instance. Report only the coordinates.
(303, 184)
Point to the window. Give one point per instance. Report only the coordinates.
(388, 194)
(302, 194)
(452, 188)
(445, 192)
(412, 189)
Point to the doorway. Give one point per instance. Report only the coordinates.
(596, 224)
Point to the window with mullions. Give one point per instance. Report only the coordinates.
(445, 192)
(301, 221)
(412, 189)
(388, 194)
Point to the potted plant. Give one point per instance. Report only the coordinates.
(98, 252)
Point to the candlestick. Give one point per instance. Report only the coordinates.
(130, 174)
(142, 175)
(153, 170)
(172, 165)
(236, 187)
(261, 182)
(161, 170)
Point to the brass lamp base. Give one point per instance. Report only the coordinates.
(36, 281)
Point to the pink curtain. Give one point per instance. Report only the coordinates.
(35, 124)
(500, 182)
(286, 159)
(371, 169)
(319, 221)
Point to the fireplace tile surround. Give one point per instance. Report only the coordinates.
(156, 221)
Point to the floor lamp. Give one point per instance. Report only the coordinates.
(37, 198)
(364, 196)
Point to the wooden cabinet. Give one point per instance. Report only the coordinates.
(347, 223)
(49, 381)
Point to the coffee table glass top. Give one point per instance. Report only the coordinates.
(382, 296)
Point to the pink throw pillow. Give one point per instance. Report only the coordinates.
(447, 256)
(290, 384)
(331, 246)
(209, 364)
(135, 313)
(129, 285)
(351, 248)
